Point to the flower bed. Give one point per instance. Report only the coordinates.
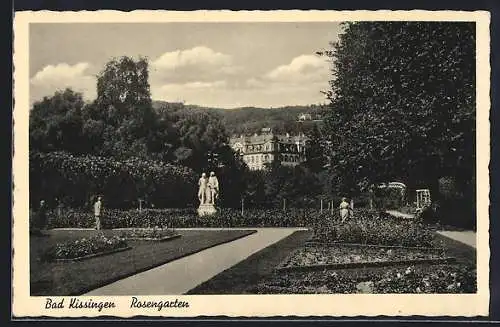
(446, 278)
(340, 256)
(150, 234)
(372, 228)
(376, 246)
(85, 248)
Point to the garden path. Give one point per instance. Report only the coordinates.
(399, 214)
(466, 237)
(180, 276)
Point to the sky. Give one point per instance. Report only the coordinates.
(225, 65)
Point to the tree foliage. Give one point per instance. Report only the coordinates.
(56, 122)
(250, 120)
(122, 123)
(402, 103)
(298, 186)
(120, 126)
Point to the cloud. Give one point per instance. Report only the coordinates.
(179, 87)
(57, 77)
(52, 73)
(254, 82)
(299, 82)
(304, 68)
(197, 56)
(193, 92)
(197, 64)
(205, 77)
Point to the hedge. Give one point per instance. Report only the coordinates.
(76, 180)
(186, 218)
(364, 227)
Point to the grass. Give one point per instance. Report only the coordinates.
(248, 273)
(77, 278)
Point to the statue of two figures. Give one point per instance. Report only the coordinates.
(208, 193)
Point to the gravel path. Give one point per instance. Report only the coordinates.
(467, 237)
(179, 276)
(400, 214)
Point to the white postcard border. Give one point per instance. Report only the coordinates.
(465, 305)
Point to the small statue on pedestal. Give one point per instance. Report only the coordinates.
(202, 190)
(207, 194)
(213, 185)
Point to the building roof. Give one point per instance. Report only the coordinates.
(267, 135)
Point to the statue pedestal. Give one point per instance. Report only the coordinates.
(206, 209)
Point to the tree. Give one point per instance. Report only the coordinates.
(402, 102)
(231, 171)
(315, 151)
(199, 134)
(123, 84)
(56, 122)
(124, 106)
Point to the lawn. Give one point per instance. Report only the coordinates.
(247, 274)
(79, 277)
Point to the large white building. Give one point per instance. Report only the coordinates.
(260, 149)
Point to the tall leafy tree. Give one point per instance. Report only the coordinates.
(124, 104)
(315, 151)
(201, 135)
(56, 123)
(402, 102)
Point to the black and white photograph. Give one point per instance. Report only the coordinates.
(182, 165)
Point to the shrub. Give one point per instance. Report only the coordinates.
(150, 233)
(430, 279)
(185, 218)
(84, 247)
(70, 218)
(457, 203)
(75, 179)
(368, 227)
(457, 213)
(428, 215)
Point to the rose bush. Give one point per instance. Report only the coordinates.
(370, 227)
(115, 218)
(150, 233)
(444, 278)
(185, 218)
(324, 255)
(85, 247)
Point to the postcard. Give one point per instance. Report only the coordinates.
(251, 164)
